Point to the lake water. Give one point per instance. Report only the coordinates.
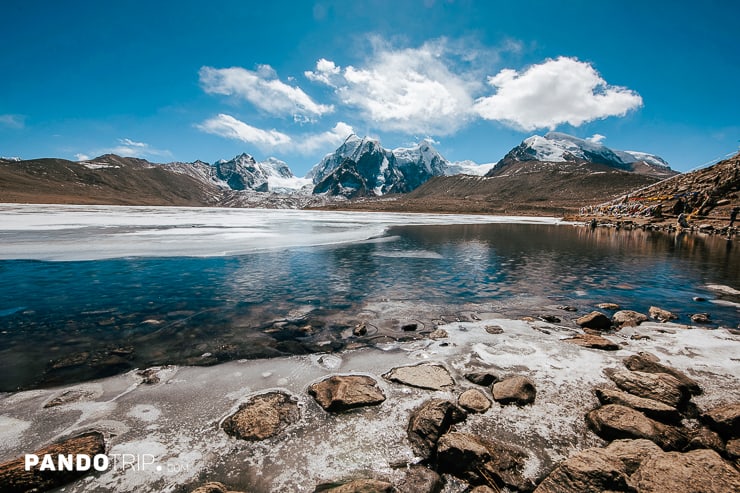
(225, 285)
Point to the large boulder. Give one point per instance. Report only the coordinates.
(647, 364)
(694, 471)
(612, 422)
(429, 422)
(424, 376)
(592, 470)
(649, 407)
(632, 453)
(480, 461)
(263, 416)
(594, 320)
(724, 419)
(628, 318)
(14, 478)
(658, 386)
(343, 392)
(519, 390)
(661, 315)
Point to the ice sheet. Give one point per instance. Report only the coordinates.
(69, 232)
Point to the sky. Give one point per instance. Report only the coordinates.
(186, 80)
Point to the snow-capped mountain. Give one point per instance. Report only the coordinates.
(380, 170)
(243, 172)
(556, 147)
(468, 167)
(13, 158)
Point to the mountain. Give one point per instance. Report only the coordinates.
(244, 172)
(537, 153)
(468, 168)
(380, 171)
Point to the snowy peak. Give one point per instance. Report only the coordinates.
(557, 147)
(244, 172)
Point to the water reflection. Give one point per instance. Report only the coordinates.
(62, 321)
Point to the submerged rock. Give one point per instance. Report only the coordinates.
(15, 479)
(429, 422)
(697, 470)
(263, 416)
(474, 400)
(658, 386)
(649, 364)
(595, 320)
(661, 315)
(424, 376)
(517, 390)
(613, 421)
(701, 318)
(592, 341)
(628, 318)
(343, 392)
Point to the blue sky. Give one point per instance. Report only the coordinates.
(185, 80)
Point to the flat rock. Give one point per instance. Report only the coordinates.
(592, 470)
(628, 318)
(661, 315)
(420, 479)
(694, 471)
(482, 462)
(657, 386)
(482, 378)
(362, 486)
(474, 400)
(14, 477)
(263, 416)
(592, 341)
(424, 376)
(519, 390)
(649, 364)
(595, 320)
(724, 419)
(649, 407)
(343, 392)
(613, 422)
(429, 422)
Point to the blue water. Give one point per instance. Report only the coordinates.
(66, 321)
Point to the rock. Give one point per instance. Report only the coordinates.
(362, 486)
(550, 319)
(429, 422)
(482, 462)
(438, 334)
(595, 320)
(482, 489)
(424, 376)
(725, 420)
(628, 318)
(481, 378)
(71, 395)
(263, 416)
(420, 479)
(592, 342)
(474, 400)
(149, 376)
(612, 422)
(567, 308)
(76, 359)
(649, 364)
(733, 449)
(494, 329)
(699, 298)
(409, 327)
(359, 330)
(608, 306)
(632, 453)
(651, 408)
(701, 318)
(592, 470)
(661, 315)
(705, 438)
(14, 477)
(212, 487)
(517, 390)
(694, 471)
(343, 392)
(658, 386)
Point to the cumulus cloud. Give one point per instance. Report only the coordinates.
(12, 121)
(596, 138)
(232, 128)
(263, 89)
(82, 157)
(413, 90)
(564, 90)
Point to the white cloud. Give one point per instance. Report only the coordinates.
(413, 90)
(596, 138)
(131, 148)
(231, 128)
(12, 121)
(564, 90)
(82, 157)
(263, 89)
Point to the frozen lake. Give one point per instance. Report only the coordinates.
(89, 291)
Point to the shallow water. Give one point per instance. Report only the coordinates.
(76, 320)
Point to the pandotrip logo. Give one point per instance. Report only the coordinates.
(98, 462)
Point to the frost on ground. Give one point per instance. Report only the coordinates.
(172, 428)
